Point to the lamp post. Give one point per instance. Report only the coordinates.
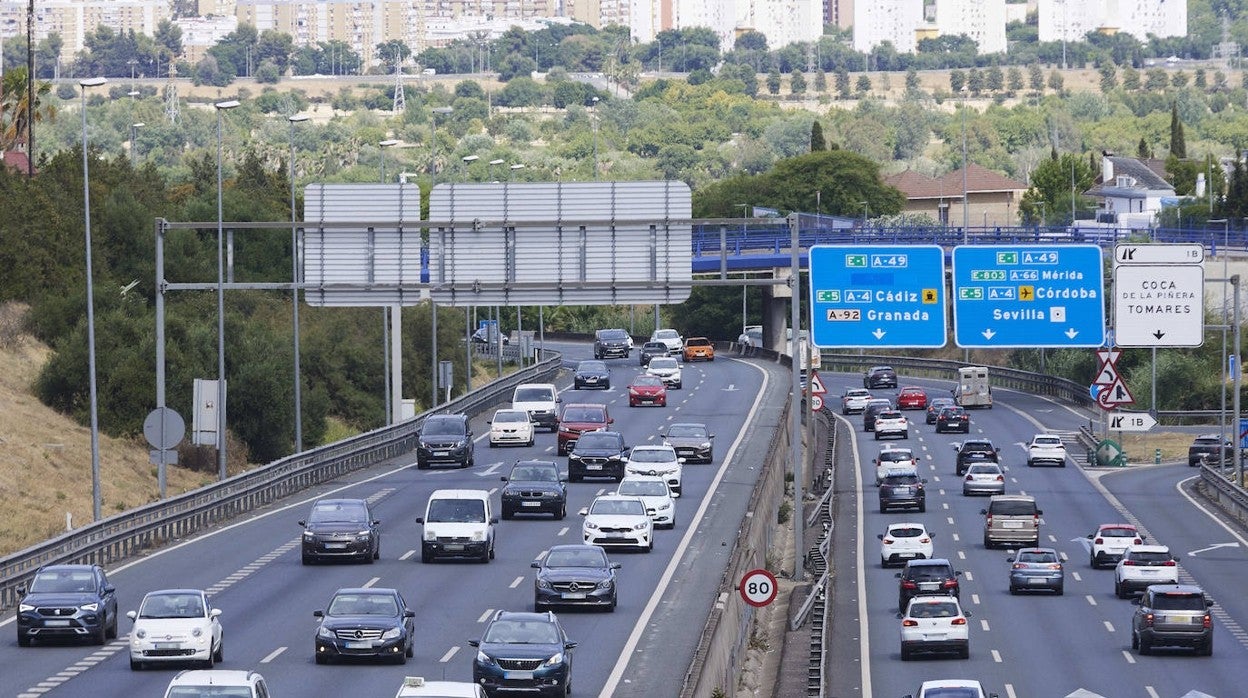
(594, 115)
(515, 168)
(433, 307)
(134, 134)
(494, 163)
(744, 208)
(468, 160)
(1226, 235)
(221, 107)
(385, 310)
(294, 285)
(865, 209)
(86, 224)
(1063, 34)
(382, 145)
(966, 208)
(1043, 217)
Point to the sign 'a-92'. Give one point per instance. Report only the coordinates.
(877, 296)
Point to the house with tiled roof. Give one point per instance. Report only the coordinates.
(16, 160)
(991, 198)
(1129, 191)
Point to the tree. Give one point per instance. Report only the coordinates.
(1055, 81)
(1179, 79)
(975, 81)
(842, 83)
(1014, 78)
(1156, 80)
(821, 81)
(912, 79)
(1201, 82)
(797, 82)
(957, 80)
(994, 79)
(1141, 150)
(515, 65)
(274, 46)
(1130, 79)
(1109, 77)
(1035, 77)
(1051, 184)
(14, 101)
(1178, 142)
(816, 137)
(773, 81)
(863, 85)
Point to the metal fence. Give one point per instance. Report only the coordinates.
(129, 533)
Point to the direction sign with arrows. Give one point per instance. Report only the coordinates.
(1131, 421)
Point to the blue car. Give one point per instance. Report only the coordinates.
(522, 652)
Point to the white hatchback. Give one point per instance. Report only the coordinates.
(657, 461)
(656, 495)
(1142, 566)
(904, 541)
(935, 624)
(175, 625)
(667, 369)
(511, 428)
(892, 457)
(616, 521)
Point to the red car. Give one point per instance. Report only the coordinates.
(578, 418)
(647, 390)
(912, 399)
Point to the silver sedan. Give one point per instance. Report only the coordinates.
(983, 478)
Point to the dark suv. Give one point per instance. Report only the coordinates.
(953, 418)
(902, 488)
(444, 438)
(67, 601)
(611, 343)
(874, 406)
(534, 487)
(341, 529)
(1172, 615)
(649, 350)
(922, 577)
(523, 652)
(880, 377)
(598, 454)
(579, 418)
(1210, 448)
(975, 451)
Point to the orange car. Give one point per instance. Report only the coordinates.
(699, 348)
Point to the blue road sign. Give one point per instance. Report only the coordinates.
(877, 296)
(1012, 296)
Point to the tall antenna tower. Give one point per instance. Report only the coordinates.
(172, 110)
(400, 96)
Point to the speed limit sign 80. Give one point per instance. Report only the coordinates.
(758, 588)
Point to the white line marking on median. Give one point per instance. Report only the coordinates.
(272, 655)
(449, 653)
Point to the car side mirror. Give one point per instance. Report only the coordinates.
(1136, 601)
(1208, 603)
(584, 512)
(569, 645)
(616, 566)
(558, 399)
(1039, 512)
(1091, 536)
(488, 421)
(955, 446)
(901, 615)
(610, 420)
(474, 643)
(897, 575)
(493, 519)
(420, 519)
(214, 613)
(967, 614)
(131, 615)
(109, 588)
(957, 573)
(304, 524)
(1176, 558)
(318, 614)
(376, 522)
(1143, 537)
(983, 512)
(880, 536)
(409, 613)
(503, 478)
(535, 565)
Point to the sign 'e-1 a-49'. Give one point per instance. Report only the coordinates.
(1010, 296)
(877, 296)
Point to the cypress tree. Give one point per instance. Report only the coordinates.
(1141, 150)
(816, 137)
(1178, 144)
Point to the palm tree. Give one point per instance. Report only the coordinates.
(13, 107)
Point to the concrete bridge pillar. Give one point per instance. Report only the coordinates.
(776, 313)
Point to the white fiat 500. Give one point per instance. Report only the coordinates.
(511, 428)
(175, 625)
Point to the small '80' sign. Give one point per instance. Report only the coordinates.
(758, 588)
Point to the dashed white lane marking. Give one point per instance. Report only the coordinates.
(1109, 626)
(949, 520)
(516, 582)
(983, 624)
(975, 599)
(1091, 599)
(961, 555)
(407, 555)
(996, 656)
(485, 616)
(541, 556)
(1129, 657)
(1009, 691)
(1151, 692)
(272, 655)
(562, 531)
(1075, 576)
(449, 653)
(969, 577)
(369, 584)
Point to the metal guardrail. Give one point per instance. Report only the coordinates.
(1217, 486)
(126, 534)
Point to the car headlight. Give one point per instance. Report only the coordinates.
(573, 457)
(664, 506)
(430, 536)
(140, 633)
(392, 634)
(606, 584)
(325, 632)
(705, 444)
(92, 607)
(196, 632)
(363, 535)
(543, 584)
(641, 526)
(308, 535)
(478, 536)
(554, 660)
(24, 607)
(483, 658)
(591, 525)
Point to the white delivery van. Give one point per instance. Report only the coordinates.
(458, 523)
(973, 389)
(541, 401)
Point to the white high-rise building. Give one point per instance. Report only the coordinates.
(1071, 20)
(981, 20)
(887, 20)
(783, 22)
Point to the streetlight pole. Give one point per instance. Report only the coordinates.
(966, 206)
(86, 224)
(382, 145)
(493, 163)
(515, 168)
(594, 115)
(385, 311)
(221, 107)
(134, 134)
(744, 287)
(864, 205)
(433, 307)
(294, 284)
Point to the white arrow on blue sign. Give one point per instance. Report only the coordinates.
(1028, 296)
(877, 296)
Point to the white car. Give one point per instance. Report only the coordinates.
(951, 688)
(657, 461)
(228, 683)
(667, 369)
(892, 457)
(175, 625)
(935, 624)
(511, 428)
(1142, 566)
(657, 496)
(1046, 449)
(904, 541)
(983, 478)
(853, 400)
(891, 423)
(675, 343)
(418, 687)
(1110, 541)
(617, 521)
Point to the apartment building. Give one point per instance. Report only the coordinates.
(782, 21)
(981, 20)
(1071, 20)
(603, 13)
(363, 24)
(73, 20)
(895, 21)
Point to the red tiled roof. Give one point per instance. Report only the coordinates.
(979, 179)
(16, 160)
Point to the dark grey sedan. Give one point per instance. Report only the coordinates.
(592, 374)
(574, 575)
(691, 441)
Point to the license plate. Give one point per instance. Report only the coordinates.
(359, 645)
(56, 623)
(573, 595)
(1148, 573)
(1036, 580)
(933, 636)
(441, 453)
(593, 467)
(929, 586)
(530, 504)
(518, 675)
(615, 536)
(167, 645)
(453, 546)
(1011, 524)
(335, 546)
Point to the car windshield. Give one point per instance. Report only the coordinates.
(656, 346)
(1149, 557)
(531, 473)
(612, 334)
(1037, 556)
(587, 557)
(686, 431)
(591, 367)
(647, 382)
(456, 511)
(172, 606)
(941, 402)
(443, 427)
(338, 512)
(663, 363)
(513, 632)
(363, 605)
(643, 488)
(1047, 441)
(1178, 602)
(653, 455)
(886, 415)
(977, 446)
(62, 581)
(896, 455)
(698, 342)
(906, 532)
(929, 572)
(616, 507)
(510, 417)
(901, 480)
(667, 334)
(592, 440)
(1117, 533)
(857, 392)
(533, 395)
(583, 414)
(210, 692)
(984, 469)
(1009, 508)
(952, 412)
(940, 609)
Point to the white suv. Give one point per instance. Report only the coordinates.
(667, 370)
(196, 683)
(675, 343)
(1110, 541)
(891, 457)
(1046, 449)
(1143, 566)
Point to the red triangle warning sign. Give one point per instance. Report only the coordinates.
(816, 384)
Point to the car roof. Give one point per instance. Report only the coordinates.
(913, 388)
(455, 689)
(1117, 525)
(341, 500)
(901, 471)
(1037, 550)
(365, 590)
(652, 447)
(536, 461)
(66, 568)
(1149, 548)
(459, 494)
(1176, 589)
(573, 547)
(1013, 497)
(931, 561)
(906, 524)
(687, 424)
(214, 677)
(617, 498)
(174, 591)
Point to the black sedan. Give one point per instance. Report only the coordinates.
(523, 652)
(649, 350)
(341, 529)
(691, 440)
(372, 623)
(592, 374)
(574, 575)
(534, 487)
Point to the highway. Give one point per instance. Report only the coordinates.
(1029, 646)
(252, 569)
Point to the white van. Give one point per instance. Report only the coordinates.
(973, 389)
(458, 523)
(541, 401)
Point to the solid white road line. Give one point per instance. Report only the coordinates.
(449, 653)
(272, 655)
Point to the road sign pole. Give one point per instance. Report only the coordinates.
(1235, 451)
(795, 414)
